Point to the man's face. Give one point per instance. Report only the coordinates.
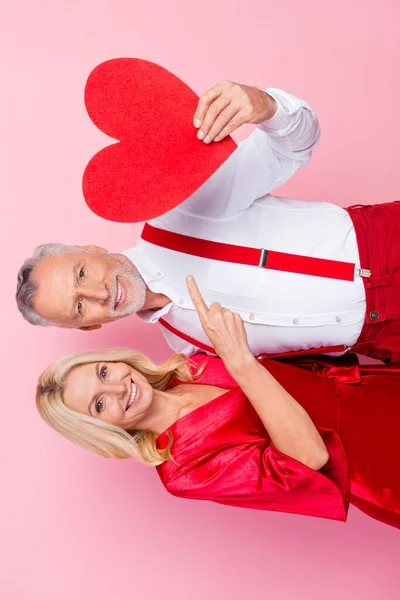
(86, 289)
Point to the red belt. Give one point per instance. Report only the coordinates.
(256, 257)
(243, 255)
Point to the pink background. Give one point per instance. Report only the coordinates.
(74, 525)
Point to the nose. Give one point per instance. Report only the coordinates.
(118, 390)
(115, 404)
(97, 292)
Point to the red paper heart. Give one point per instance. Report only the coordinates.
(159, 162)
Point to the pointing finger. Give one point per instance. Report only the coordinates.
(196, 297)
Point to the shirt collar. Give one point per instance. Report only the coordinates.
(150, 273)
(152, 316)
(148, 270)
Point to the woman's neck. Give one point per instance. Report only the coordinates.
(166, 408)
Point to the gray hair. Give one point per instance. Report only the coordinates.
(26, 288)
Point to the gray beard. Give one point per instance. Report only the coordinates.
(136, 298)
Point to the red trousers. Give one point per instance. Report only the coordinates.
(377, 229)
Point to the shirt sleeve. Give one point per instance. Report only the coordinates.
(257, 475)
(266, 159)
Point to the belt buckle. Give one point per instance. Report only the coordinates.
(363, 273)
(263, 258)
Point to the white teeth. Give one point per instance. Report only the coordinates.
(119, 293)
(133, 395)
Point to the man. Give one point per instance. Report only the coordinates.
(332, 276)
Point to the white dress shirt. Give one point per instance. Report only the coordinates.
(282, 311)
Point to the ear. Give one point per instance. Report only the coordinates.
(90, 327)
(96, 249)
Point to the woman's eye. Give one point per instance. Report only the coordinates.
(79, 307)
(82, 273)
(103, 372)
(99, 405)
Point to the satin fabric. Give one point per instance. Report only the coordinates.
(222, 452)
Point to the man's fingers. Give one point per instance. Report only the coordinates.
(204, 102)
(236, 121)
(196, 297)
(215, 123)
(212, 112)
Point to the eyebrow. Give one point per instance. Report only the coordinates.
(96, 396)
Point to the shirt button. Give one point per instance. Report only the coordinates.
(252, 316)
(295, 321)
(338, 319)
(374, 315)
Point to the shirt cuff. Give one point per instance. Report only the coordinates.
(288, 105)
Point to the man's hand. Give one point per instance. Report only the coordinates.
(227, 106)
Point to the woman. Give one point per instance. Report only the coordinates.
(239, 430)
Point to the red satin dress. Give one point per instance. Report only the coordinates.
(222, 451)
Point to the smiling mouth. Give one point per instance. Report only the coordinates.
(132, 396)
(119, 294)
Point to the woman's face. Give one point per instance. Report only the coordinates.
(113, 392)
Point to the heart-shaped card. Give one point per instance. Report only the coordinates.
(158, 161)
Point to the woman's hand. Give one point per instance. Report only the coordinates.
(287, 423)
(227, 106)
(224, 328)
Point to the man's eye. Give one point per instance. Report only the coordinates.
(103, 373)
(99, 405)
(82, 273)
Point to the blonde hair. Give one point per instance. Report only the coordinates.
(93, 434)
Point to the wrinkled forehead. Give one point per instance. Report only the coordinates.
(60, 264)
(54, 277)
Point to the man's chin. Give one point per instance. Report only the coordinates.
(122, 314)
